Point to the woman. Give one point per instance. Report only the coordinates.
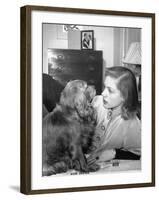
(118, 130)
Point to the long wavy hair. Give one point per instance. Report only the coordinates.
(126, 83)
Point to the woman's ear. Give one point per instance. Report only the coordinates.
(122, 98)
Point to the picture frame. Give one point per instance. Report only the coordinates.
(87, 39)
(32, 18)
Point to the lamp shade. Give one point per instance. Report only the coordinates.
(133, 55)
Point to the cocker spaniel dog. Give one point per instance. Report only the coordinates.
(68, 131)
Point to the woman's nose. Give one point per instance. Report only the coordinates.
(104, 93)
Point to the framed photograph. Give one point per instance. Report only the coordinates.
(87, 117)
(87, 39)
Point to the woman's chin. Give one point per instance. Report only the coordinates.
(107, 106)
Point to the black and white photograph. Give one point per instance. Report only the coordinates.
(87, 39)
(91, 108)
(89, 89)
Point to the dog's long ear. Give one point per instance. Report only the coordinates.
(90, 93)
(79, 106)
(80, 103)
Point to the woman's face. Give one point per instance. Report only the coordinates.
(112, 97)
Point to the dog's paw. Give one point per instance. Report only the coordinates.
(59, 167)
(48, 171)
(77, 166)
(94, 167)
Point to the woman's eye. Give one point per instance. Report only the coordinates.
(110, 90)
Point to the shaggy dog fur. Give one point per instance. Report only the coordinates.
(68, 130)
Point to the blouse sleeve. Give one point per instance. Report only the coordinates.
(132, 139)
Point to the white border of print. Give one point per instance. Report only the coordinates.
(143, 176)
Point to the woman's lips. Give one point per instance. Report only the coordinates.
(104, 101)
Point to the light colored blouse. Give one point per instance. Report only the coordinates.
(114, 132)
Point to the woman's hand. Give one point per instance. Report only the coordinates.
(101, 156)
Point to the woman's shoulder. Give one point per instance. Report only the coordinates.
(133, 123)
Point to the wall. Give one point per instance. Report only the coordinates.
(119, 52)
(104, 39)
(10, 99)
(123, 37)
(114, 42)
(54, 37)
(132, 35)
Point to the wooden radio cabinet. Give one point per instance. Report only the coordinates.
(65, 65)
